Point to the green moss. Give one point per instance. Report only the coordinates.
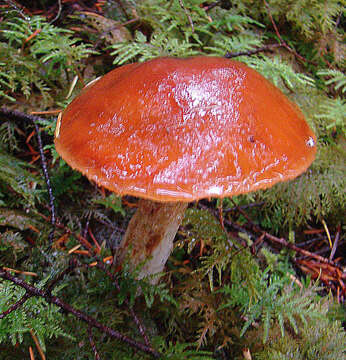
(217, 297)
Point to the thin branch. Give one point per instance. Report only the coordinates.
(138, 322)
(287, 244)
(38, 346)
(49, 187)
(58, 13)
(84, 232)
(122, 7)
(72, 265)
(16, 305)
(35, 120)
(270, 47)
(187, 15)
(101, 266)
(335, 245)
(31, 353)
(275, 239)
(18, 7)
(245, 206)
(282, 41)
(92, 343)
(33, 291)
(212, 5)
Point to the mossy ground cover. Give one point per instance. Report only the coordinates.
(238, 283)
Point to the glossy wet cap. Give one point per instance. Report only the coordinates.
(183, 129)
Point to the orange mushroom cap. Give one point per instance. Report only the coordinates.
(183, 129)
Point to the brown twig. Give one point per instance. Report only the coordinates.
(58, 13)
(16, 305)
(335, 245)
(22, 10)
(49, 188)
(245, 206)
(187, 15)
(86, 226)
(33, 291)
(31, 353)
(29, 273)
(282, 42)
(101, 266)
(285, 243)
(72, 265)
(123, 9)
(92, 343)
(270, 47)
(212, 5)
(137, 321)
(327, 271)
(38, 346)
(97, 245)
(35, 120)
(280, 241)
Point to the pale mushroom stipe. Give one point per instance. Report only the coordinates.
(171, 131)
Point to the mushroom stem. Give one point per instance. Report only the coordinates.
(150, 234)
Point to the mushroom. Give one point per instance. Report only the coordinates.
(171, 131)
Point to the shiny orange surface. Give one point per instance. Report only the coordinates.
(183, 129)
